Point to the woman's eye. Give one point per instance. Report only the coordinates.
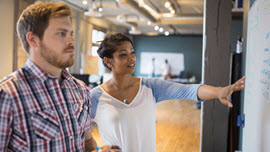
(122, 55)
(133, 52)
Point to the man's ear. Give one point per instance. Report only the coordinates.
(32, 39)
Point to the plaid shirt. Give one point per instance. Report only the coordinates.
(39, 114)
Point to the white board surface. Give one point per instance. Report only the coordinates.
(256, 132)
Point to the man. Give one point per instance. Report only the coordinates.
(166, 74)
(152, 68)
(42, 107)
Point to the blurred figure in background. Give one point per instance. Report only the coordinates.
(152, 68)
(166, 70)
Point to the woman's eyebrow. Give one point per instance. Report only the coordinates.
(123, 50)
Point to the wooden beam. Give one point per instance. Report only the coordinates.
(190, 2)
(184, 21)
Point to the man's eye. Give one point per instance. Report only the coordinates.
(122, 55)
(62, 34)
(133, 52)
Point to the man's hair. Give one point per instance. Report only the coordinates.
(35, 19)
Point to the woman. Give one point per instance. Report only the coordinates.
(124, 106)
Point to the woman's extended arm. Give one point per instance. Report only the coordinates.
(206, 92)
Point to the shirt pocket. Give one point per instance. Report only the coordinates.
(83, 114)
(45, 124)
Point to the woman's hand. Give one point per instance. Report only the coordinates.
(206, 92)
(225, 92)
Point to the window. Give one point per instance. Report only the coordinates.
(94, 50)
(97, 36)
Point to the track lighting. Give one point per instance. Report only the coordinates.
(167, 4)
(84, 2)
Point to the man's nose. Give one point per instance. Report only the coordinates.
(70, 41)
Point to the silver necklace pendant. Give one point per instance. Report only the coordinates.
(125, 101)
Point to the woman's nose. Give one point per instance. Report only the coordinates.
(131, 57)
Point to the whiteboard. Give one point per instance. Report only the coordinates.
(256, 132)
(176, 60)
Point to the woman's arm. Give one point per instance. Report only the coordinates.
(90, 143)
(206, 92)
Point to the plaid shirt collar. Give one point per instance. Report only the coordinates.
(37, 73)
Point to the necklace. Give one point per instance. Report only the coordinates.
(129, 84)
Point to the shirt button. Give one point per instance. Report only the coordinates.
(71, 137)
(65, 114)
(45, 117)
(80, 109)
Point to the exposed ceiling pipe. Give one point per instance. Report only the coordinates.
(74, 5)
(92, 11)
(134, 28)
(117, 3)
(174, 29)
(141, 10)
(132, 21)
(177, 6)
(181, 19)
(153, 5)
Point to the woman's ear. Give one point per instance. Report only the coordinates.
(108, 62)
(32, 39)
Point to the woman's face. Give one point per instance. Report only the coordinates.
(124, 58)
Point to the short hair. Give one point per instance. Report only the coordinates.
(109, 44)
(35, 18)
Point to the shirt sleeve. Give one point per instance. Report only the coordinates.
(6, 119)
(166, 90)
(95, 95)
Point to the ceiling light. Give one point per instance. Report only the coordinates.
(148, 23)
(167, 33)
(84, 2)
(121, 18)
(100, 9)
(172, 11)
(161, 29)
(156, 27)
(167, 4)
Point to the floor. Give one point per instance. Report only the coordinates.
(177, 127)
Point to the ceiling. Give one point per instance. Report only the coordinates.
(141, 16)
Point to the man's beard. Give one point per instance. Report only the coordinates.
(55, 59)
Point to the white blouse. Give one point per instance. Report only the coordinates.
(132, 126)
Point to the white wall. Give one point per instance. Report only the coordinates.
(6, 36)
